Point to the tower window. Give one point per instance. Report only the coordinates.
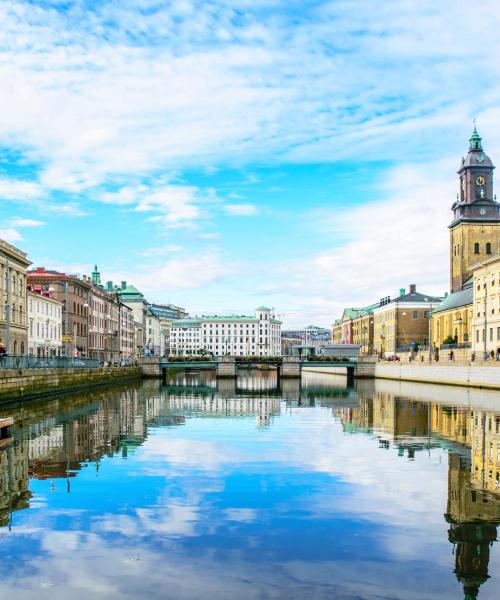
(488, 248)
(476, 248)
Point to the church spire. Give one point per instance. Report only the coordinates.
(475, 140)
(96, 277)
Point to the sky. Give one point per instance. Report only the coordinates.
(225, 154)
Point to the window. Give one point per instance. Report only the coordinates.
(415, 315)
(476, 248)
(488, 248)
(477, 335)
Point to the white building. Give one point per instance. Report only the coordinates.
(235, 335)
(44, 324)
(154, 337)
(486, 309)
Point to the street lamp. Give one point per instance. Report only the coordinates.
(86, 306)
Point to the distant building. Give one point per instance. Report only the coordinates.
(74, 294)
(402, 324)
(44, 324)
(132, 297)
(166, 314)
(152, 321)
(259, 335)
(312, 336)
(337, 331)
(13, 301)
(155, 344)
(127, 332)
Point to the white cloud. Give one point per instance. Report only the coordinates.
(241, 210)
(121, 90)
(160, 250)
(18, 190)
(21, 222)
(376, 249)
(194, 270)
(10, 235)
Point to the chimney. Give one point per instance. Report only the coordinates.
(109, 286)
(124, 285)
(413, 288)
(402, 291)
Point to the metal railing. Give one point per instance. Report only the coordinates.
(40, 362)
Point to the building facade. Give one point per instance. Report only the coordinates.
(73, 292)
(311, 336)
(403, 324)
(127, 332)
(259, 335)
(486, 309)
(166, 314)
(44, 324)
(13, 300)
(103, 320)
(133, 298)
(155, 342)
(337, 332)
(452, 320)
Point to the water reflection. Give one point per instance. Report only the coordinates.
(58, 440)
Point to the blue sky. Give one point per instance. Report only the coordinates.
(225, 154)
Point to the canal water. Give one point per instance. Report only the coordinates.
(205, 489)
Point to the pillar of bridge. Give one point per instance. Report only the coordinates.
(150, 366)
(226, 367)
(365, 367)
(291, 366)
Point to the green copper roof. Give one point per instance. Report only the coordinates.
(263, 308)
(218, 319)
(456, 300)
(130, 290)
(475, 140)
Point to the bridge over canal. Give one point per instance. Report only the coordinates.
(286, 366)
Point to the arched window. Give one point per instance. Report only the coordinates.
(488, 248)
(476, 248)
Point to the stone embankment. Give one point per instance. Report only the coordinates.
(32, 383)
(484, 375)
(478, 375)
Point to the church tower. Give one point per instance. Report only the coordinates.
(475, 229)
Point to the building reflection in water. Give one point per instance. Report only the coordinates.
(472, 438)
(52, 439)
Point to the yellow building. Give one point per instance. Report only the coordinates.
(337, 332)
(13, 299)
(452, 320)
(486, 307)
(403, 323)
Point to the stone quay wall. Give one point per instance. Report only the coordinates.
(32, 383)
(484, 375)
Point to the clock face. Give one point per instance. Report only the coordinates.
(480, 180)
(482, 211)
